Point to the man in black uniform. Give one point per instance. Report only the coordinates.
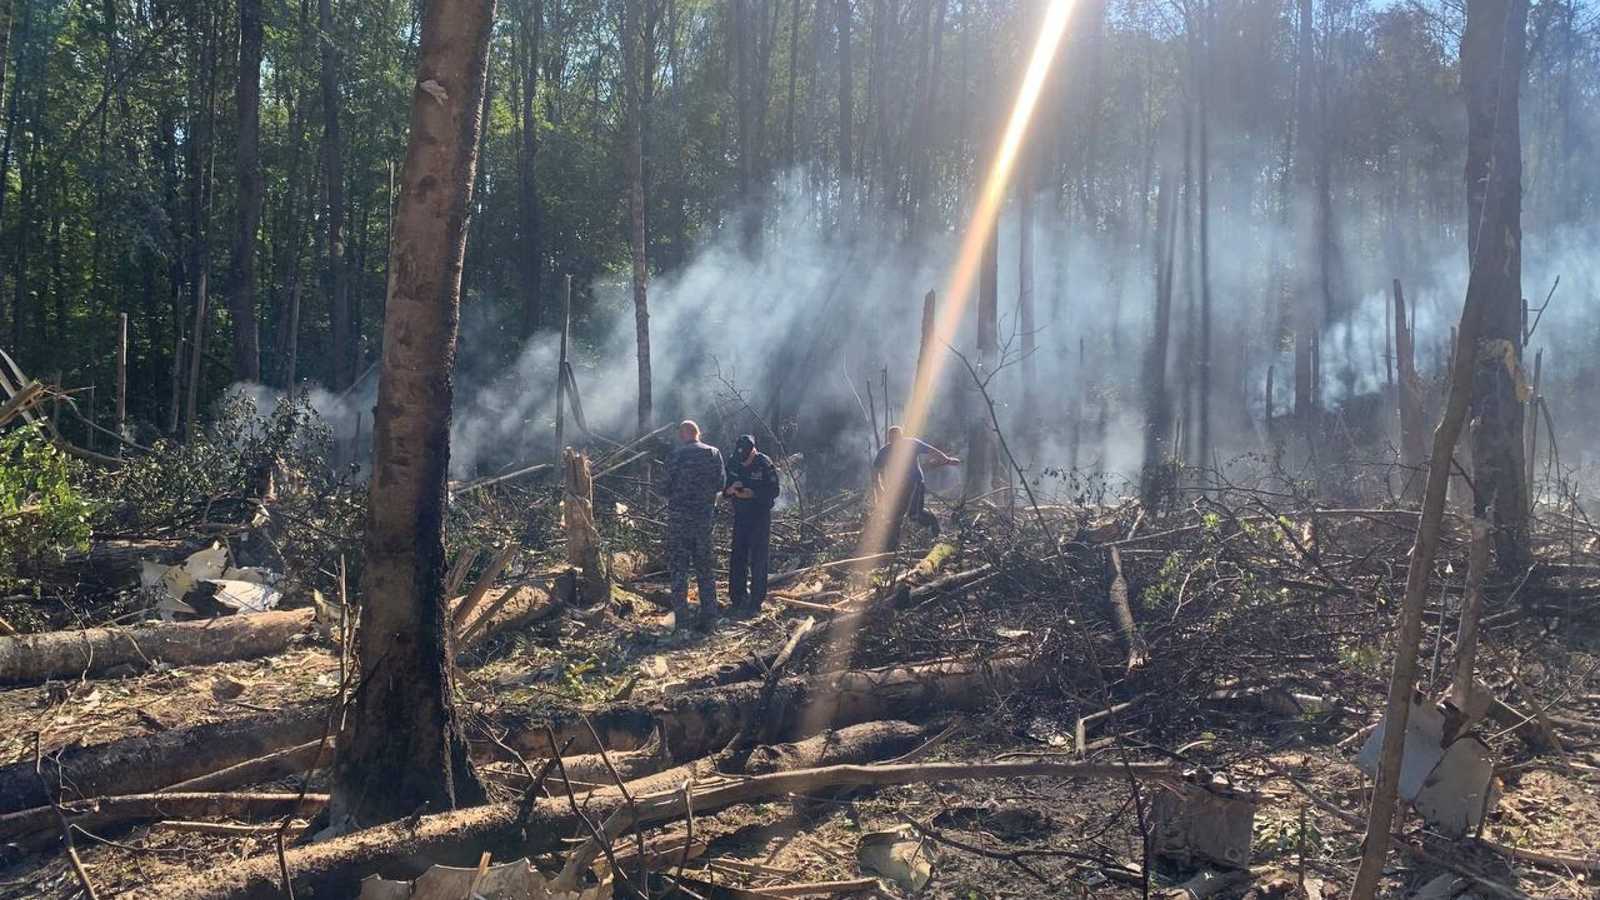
(753, 485)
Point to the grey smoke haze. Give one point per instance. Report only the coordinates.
(793, 318)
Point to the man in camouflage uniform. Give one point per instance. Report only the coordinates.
(694, 479)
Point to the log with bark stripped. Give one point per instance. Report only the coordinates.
(31, 658)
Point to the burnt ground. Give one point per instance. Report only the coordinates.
(1269, 634)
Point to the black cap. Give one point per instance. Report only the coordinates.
(745, 443)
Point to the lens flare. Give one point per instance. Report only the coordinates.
(958, 285)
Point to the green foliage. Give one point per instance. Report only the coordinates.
(41, 513)
(221, 475)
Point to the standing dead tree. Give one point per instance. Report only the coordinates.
(404, 685)
(1409, 398)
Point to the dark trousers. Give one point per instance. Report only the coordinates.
(919, 511)
(747, 564)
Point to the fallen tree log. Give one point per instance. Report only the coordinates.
(696, 723)
(151, 762)
(31, 658)
(507, 830)
(102, 811)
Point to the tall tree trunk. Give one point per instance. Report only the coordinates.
(1307, 281)
(1202, 93)
(1156, 477)
(979, 463)
(741, 35)
(242, 292)
(403, 644)
(789, 150)
(532, 211)
(841, 12)
(1026, 184)
(1491, 64)
(634, 68)
(922, 132)
(200, 157)
(335, 279)
(1491, 72)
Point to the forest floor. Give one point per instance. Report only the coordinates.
(1266, 624)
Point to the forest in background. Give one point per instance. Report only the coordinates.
(224, 174)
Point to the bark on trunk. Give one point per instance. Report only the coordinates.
(335, 283)
(1491, 66)
(32, 658)
(634, 68)
(242, 291)
(404, 640)
(532, 210)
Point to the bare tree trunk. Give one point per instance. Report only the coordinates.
(979, 463)
(1155, 478)
(532, 210)
(335, 279)
(1025, 306)
(1491, 57)
(789, 151)
(634, 67)
(242, 292)
(1303, 294)
(199, 220)
(1202, 93)
(403, 640)
(841, 10)
(741, 34)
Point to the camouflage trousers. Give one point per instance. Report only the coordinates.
(689, 547)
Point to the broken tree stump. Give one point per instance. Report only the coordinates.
(584, 548)
(31, 658)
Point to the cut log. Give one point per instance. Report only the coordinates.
(512, 829)
(1122, 611)
(31, 658)
(101, 811)
(151, 762)
(507, 830)
(701, 722)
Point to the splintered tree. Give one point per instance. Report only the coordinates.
(402, 748)
(1491, 73)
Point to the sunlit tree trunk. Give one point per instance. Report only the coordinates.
(402, 749)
